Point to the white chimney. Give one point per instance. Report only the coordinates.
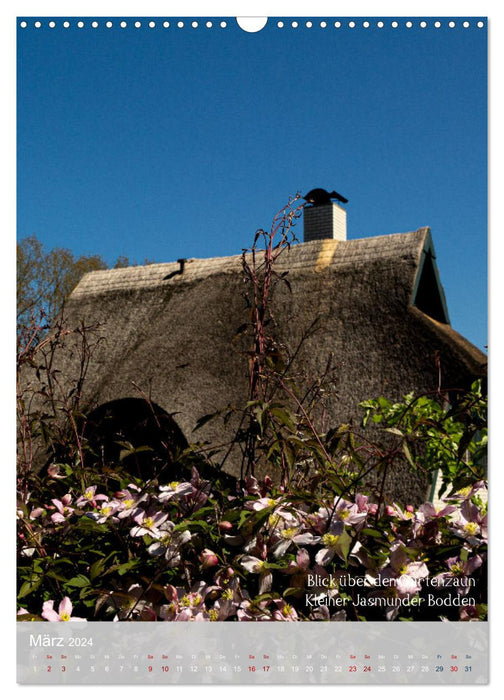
(326, 220)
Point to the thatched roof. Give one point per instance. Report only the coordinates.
(381, 312)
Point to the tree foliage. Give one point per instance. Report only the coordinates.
(45, 278)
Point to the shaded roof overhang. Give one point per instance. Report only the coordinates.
(427, 293)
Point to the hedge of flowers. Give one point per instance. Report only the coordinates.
(193, 550)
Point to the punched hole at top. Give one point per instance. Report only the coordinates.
(252, 24)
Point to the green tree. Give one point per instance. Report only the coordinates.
(45, 278)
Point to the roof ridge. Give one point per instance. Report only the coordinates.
(298, 257)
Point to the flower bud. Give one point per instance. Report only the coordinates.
(225, 525)
(208, 559)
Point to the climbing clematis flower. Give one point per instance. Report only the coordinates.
(289, 536)
(300, 564)
(129, 500)
(332, 544)
(430, 512)
(466, 493)
(64, 611)
(106, 511)
(169, 543)
(251, 486)
(285, 612)
(249, 611)
(63, 509)
(458, 574)
(348, 513)
(406, 573)
(147, 523)
(174, 489)
(90, 497)
(257, 566)
(54, 471)
(470, 523)
(262, 503)
(36, 513)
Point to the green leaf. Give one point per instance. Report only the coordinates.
(57, 576)
(407, 454)
(294, 592)
(284, 416)
(371, 533)
(265, 596)
(123, 568)
(130, 450)
(78, 581)
(394, 431)
(96, 569)
(254, 520)
(192, 525)
(30, 586)
(344, 543)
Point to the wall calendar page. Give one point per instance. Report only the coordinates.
(251, 357)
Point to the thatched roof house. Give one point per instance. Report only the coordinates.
(381, 311)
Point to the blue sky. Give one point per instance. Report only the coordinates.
(166, 143)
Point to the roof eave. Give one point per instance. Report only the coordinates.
(472, 357)
(427, 251)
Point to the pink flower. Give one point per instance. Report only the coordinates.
(347, 512)
(90, 497)
(257, 566)
(128, 501)
(459, 572)
(285, 612)
(300, 564)
(468, 492)
(183, 606)
(331, 544)
(266, 485)
(287, 536)
(262, 503)
(395, 511)
(361, 501)
(342, 511)
(36, 513)
(64, 611)
(470, 613)
(249, 611)
(169, 543)
(147, 523)
(64, 510)
(54, 471)
(176, 488)
(406, 573)
(201, 488)
(471, 524)
(107, 510)
(323, 613)
(251, 485)
(430, 512)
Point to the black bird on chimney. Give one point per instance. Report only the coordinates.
(318, 197)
